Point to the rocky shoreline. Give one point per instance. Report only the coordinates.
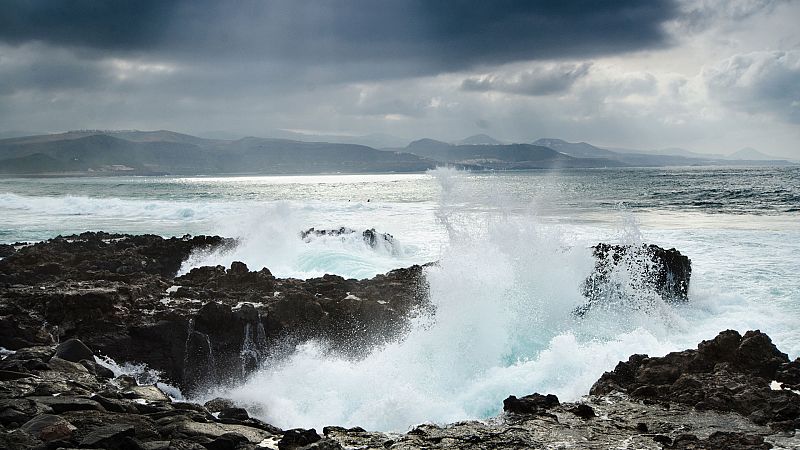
(66, 301)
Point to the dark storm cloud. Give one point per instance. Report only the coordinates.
(101, 25)
(412, 37)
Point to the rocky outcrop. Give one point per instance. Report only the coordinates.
(626, 275)
(746, 374)
(116, 295)
(119, 294)
(55, 403)
(370, 236)
(60, 404)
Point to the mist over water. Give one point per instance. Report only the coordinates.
(503, 291)
(513, 250)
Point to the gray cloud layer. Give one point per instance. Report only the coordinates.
(521, 69)
(382, 38)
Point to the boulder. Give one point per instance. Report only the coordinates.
(298, 437)
(369, 236)
(530, 404)
(109, 436)
(47, 427)
(74, 350)
(622, 269)
(728, 373)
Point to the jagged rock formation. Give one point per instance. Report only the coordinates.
(625, 274)
(120, 295)
(746, 374)
(370, 236)
(47, 402)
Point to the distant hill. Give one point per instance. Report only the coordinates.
(752, 154)
(374, 140)
(479, 139)
(578, 149)
(98, 152)
(166, 152)
(505, 156)
(17, 133)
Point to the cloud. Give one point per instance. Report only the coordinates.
(380, 39)
(543, 79)
(758, 83)
(698, 15)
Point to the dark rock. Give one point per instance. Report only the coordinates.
(645, 267)
(228, 441)
(114, 405)
(18, 439)
(729, 373)
(370, 236)
(323, 444)
(721, 441)
(530, 404)
(20, 410)
(47, 427)
(7, 250)
(97, 369)
(62, 404)
(109, 436)
(218, 404)
(7, 375)
(583, 411)
(298, 437)
(234, 413)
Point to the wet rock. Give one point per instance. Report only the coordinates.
(148, 393)
(20, 410)
(298, 437)
(228, 441)
(109, 436)
(584, 411)
(622, 269)
(218, 404)
(729, 373)
(47, 427)
(530, 404)
(18, 439)
(234, 413)
(74, 350)
(7, 250)
(370, 236)
(720, 441)
(62, 365)
(61, 403)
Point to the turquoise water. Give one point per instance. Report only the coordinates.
(513, 249)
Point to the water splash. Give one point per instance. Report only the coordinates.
(504, 291)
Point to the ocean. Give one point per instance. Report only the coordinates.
(513, 249)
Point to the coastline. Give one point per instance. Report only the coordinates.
(109, 292)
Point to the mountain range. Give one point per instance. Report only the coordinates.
(104, 152)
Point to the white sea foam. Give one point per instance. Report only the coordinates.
(143, 375)
(505, 288)
(504, 292)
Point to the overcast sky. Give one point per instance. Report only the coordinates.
(705, 75)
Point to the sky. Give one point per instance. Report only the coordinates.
(711, 76)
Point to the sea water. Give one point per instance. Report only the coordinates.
(513, 249)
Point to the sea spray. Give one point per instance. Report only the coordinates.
(503, 292)
(270, 236)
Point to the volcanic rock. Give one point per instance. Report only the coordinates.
(370, 236)
(729, 373)
(530, 404)
(73, 350)
(623, 273)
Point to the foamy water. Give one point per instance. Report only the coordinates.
(513, 250)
